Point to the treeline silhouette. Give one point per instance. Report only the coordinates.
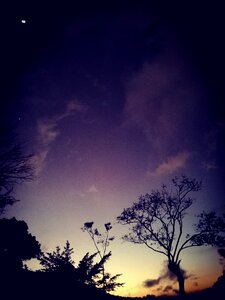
(59, 277)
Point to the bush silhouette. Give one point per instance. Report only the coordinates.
(17, 245)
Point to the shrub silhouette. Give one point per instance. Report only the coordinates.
(16, 245)
(87, 272)
(58, 261)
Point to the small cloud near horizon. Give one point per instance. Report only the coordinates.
(92, 189)
(171, 164)
(166, 274)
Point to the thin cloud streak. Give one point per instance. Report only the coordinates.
(48, 130)
(171, 164)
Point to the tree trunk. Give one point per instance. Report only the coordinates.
(176, 270)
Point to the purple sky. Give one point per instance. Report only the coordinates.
(114, 100)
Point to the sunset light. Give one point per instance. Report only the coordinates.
(112, 139)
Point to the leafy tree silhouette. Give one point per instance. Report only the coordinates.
(58, 261)
(156, 221)
(221, 252)
(219, 285)
(87, 272)
(16, 246)
(106, 282)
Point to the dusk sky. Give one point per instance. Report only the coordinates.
(115, 98)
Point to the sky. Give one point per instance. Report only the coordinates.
(115, 98)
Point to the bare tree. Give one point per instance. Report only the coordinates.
(15, 168)
(157, 221)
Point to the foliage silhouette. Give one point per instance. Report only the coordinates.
(58, 261)
(87, 272)
(57, 281)
(16, 245)
(221, 252)
(99, 238)
(15, 168)
(157, 222)
(106, 282)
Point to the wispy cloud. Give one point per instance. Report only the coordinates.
(214, 145)
(171, 164)
(92, 189)
(48, 130)
(209, 165)
(162, 100)
(39, 160)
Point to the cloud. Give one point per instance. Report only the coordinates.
(214, 148)
(48, 130)
(148, 283)
(171, 164)
(195, 284)
(74, 106)
(209, 165)
(92, 189)
(168, 288)
(39, 160)
(165, 274)
(162, 100)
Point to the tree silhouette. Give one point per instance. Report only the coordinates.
(99, 238)
(15, 168)
(221, 252)
(101, 241)
(87, 272)
(58, 261)
(157, 222)
(16, 245)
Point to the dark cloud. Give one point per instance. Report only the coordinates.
(151, 282)
(195, 284)
(165, 274)
(168, 288)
